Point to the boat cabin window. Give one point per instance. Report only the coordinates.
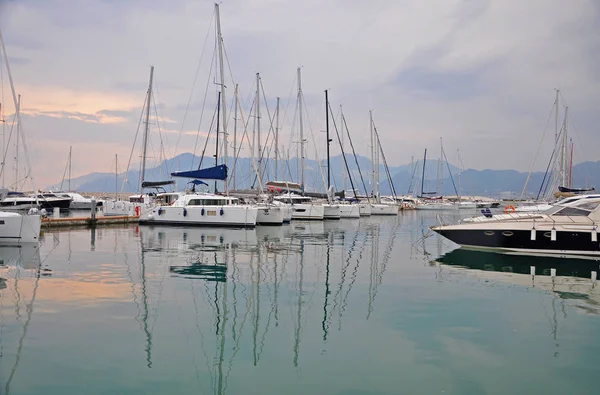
(210, 202)
(572, 212)
(136, 199)
(590, 206)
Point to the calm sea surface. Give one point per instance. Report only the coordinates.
(367, 306)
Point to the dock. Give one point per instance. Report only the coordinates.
(89, 222)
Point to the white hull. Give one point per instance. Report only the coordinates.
(364, 209)
(384, 209)
(436, 206)
(16, 228)
(235, 215)
(349, 211)
(331, 211)
(82, 205)
(270, 215)
(121, 207)
(308, 211)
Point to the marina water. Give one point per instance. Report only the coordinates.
(369, 306)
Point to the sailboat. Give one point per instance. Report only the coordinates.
(207, 209)
(303, 206)
(17, 228)
(142, 202)
(377, 208)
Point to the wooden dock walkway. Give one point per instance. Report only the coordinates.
(88, 222)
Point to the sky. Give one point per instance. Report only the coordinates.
(479, 74)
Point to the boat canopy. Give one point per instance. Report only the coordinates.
(576, 190)
(211, 173)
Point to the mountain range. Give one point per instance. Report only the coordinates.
(495, 183)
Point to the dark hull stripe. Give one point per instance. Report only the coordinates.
(577, 242)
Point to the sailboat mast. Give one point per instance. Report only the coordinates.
(343, 144)
(555, 174)
(423, 173)
(222, 94)
(145, 143)
(565, 150)
(17, 145)
(3, 145)
(257, 115)
(374, 162)
(301, 129)
(328, 139)
(116, 178)
(217, 134)
(235, 136)
(277, 141)
(571, 167)
(70, 152)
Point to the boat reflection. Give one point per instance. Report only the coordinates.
(515, 263)
(216, 272)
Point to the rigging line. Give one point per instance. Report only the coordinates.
(355, 159)
(126, 178)
(212, 64)
(537, 153)
(449, 172)
(187, 106)
(552, 159)
(269, 134)
(207, 138)
(244, 134)
(387, 169)
(314, 143)
(343, 153)
(8, 144)
(162, 153)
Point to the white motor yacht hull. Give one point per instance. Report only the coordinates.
(236, 215)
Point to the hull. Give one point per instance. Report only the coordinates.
(308, 211)
(331, 211)
(63, 204)
(349, 211)
(269, 215)
(121, 207)
(16, 228)
(567, 239)
(436, 206)
(237, 216)
(83, 205)
(384, 209)
(364, 210)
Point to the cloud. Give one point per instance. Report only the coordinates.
(480, 74)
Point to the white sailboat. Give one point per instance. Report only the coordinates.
(378, 208)
(16, 228)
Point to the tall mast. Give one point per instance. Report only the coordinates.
(116, 178)
(301, 128)
(423, 173)
(277, 141)
(217, 134)
(374, 162)
(328, 139)
(345, 183)
(441, 169)
(70, 159)
(145, 143)
(565, 148)
(235, 136)
(257, 115)
(555, 174)
(17, 144)
(223, 101)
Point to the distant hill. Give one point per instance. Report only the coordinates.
(497, 183)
